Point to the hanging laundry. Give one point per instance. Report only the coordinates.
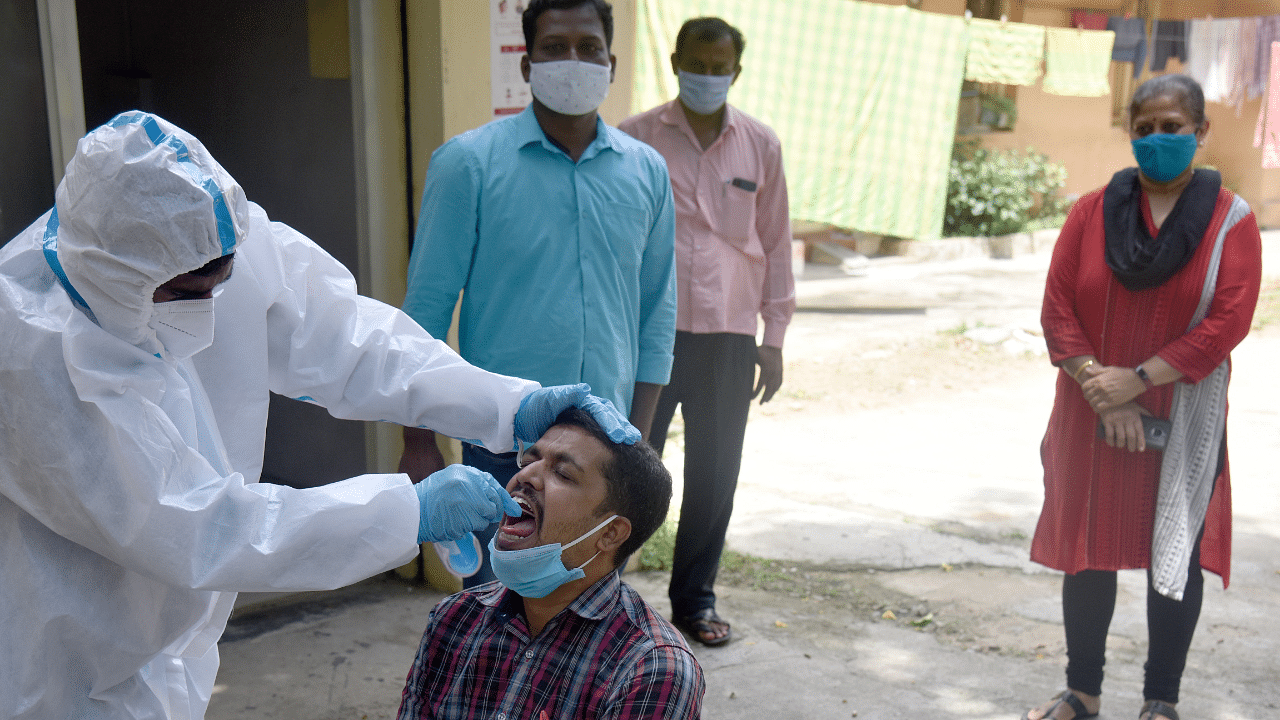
(1222, 55)
(1201, 50)
(1245, 57)
(1131, 41)
(1004, 52)
(1169, 40)
(1268, 32)
(1269, 138)
(1088, 20)
(1213, 47)
(1077, 62)
(1223, 75)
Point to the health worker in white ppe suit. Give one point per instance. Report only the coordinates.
(133, 412)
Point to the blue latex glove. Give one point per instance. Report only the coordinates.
(458, 500)
(540, 408)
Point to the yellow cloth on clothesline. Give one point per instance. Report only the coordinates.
(1004, 52)
(1077, 62)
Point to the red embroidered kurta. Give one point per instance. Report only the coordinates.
(1099, 506)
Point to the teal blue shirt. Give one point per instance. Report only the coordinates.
(568, 268)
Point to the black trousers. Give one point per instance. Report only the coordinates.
(711, 380)
(1088, 602)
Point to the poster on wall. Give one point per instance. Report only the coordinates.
(510, 91)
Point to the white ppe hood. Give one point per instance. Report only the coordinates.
(133, 189)
(130, 507)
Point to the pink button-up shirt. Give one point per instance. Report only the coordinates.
(733, 231)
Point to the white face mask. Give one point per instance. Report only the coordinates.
(569, 87)
(184, 327)
(704, 94)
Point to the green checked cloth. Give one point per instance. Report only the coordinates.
(863, 97)
(1004, 52)
(1077, 62)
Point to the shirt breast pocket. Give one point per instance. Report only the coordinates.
(737, 216)
(628, 232)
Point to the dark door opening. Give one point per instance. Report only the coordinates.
(236, 74)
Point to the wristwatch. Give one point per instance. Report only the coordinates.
(1146, 379)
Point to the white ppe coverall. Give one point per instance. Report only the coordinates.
(130, 507)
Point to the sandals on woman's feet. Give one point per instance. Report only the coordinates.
(703, 623)
(1071, 701)
(1152, 708)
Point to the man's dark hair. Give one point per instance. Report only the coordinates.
(1180, 87)
(710, 29)
(530, 18)
(637, 484)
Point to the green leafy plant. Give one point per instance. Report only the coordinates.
(997, 192)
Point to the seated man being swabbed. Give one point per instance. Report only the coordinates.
(560, 635)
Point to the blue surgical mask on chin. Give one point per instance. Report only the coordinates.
(1164, 156)
(536, 572)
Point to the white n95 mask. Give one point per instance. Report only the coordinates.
(184, 327)
(569, 87)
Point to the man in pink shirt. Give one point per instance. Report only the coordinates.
(733, 262)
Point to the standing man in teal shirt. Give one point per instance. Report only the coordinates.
(559, 230)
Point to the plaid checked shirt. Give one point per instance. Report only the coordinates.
(607, 655)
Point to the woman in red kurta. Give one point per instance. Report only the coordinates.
(1123, 287)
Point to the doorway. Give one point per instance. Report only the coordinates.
(238, 75)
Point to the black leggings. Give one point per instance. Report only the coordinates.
(1088, 601)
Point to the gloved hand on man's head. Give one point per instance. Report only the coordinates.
(458, 500)
(540, 408)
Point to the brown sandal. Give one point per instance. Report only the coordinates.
(704, 622)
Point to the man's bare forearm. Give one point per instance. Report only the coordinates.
(644, 402)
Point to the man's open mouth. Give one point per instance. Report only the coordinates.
(523, 526)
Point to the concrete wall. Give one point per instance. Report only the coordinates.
(1230, 149)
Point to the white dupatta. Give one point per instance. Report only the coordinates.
(1199, 415)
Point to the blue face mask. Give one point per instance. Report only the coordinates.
(1163, 156)
(536, 572)
(703, 94)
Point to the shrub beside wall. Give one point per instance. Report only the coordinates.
(998, 192)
